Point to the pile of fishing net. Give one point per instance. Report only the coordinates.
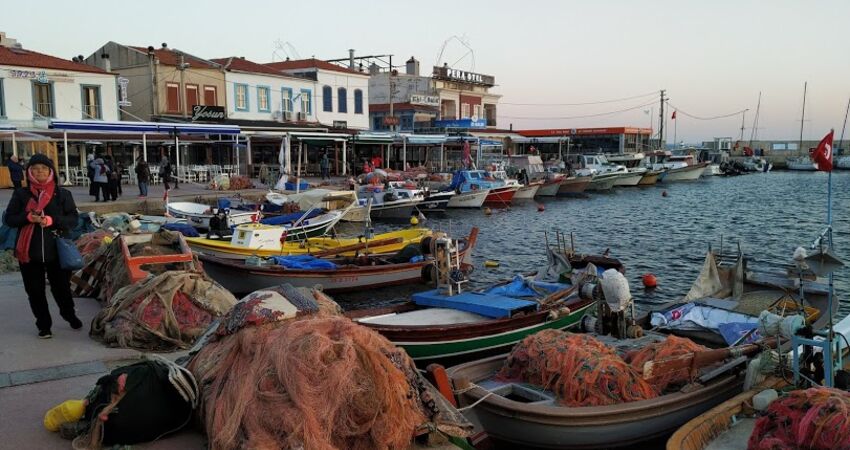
(669, 348)
(165, 312)
(239, 182)
(582, 371)
(90, 243)
(817, 418)
(284, 370)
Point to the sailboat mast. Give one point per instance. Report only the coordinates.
(754, 131)
(803, 116)
(841, 140)
(661, 122)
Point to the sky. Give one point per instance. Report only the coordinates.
(712, 57)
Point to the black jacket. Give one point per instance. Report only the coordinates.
(16, 171)
(61, 208)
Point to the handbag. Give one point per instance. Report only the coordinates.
(69, 257)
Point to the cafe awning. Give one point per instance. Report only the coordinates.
(144, 127)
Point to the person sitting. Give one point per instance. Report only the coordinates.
(218, 225)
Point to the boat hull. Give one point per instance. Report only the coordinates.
(549, 188)
(602, 183)
(527, 192)
(689, 173)
(202, 221)
(500, 196)
(468, 200)
(547, 425)
(807, 166)
(650, 178)
(401, 211)
(574, 185)
(630, 179)
(436, 202)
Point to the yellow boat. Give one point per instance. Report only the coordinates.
(264, 241)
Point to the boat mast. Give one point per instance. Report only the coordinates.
(754, 132)
(841, 140)
(661, 122)
(803, 116)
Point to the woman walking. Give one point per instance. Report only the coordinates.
(143, 176)
(41, 212)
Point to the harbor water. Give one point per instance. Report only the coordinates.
(770, 215)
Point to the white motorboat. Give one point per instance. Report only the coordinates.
(390, 203)
(631, 161)
(675, 167)
(198, 214)
(804, 163)
(712, 170)
(842, 162)
(472, 199)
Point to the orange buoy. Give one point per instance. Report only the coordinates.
(487, 211)
(541, 207)
(649, 280)
(663, 193)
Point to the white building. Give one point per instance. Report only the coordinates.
(257, 92)
(342, 95)
(35, 88)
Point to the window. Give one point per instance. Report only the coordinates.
(358, 101)
(172, 97)
(306, 102)
(286, 99)
(42, 98)
(91, 102)
(477, 112)
(2, 100)
(342, 98)
(264, 99)
(327, 99)
(464, 111)
(192, 97)
(240, 94)
(210, 96)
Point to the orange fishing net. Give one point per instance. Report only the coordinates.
(671, 347)
(580, 370)
(816, 418)
(316, 382)
(89, 243)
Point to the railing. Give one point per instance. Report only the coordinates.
(44, 109)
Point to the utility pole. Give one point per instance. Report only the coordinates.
(154, 96)
(661, 122)
(182, 69)
(390, 78)
(743, 120)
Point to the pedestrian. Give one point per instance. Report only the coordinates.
(143, 176)
(16, 171)
(119, 172)
(113, 179)
(324, 164)
(90, 175)
(165, 172)
(100, 178)
(41, 213)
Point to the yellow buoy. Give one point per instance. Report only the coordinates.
(414, 220)
(67, 411)
(488, 211)
(491, 263)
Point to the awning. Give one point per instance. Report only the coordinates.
(7, 127)
(144, 127)
(539, 140)
(426, 139)
(374, 138)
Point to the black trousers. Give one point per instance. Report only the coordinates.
(60, 286)
(16, 184)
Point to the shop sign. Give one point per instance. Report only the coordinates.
(122, 92)
(391, 120)
(448, 73)
(39, 76)
(340, 124)
(208, 113)
(461, 123)
(426, 100)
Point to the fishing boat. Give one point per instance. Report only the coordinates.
(535, 171)
(264, 241)
(632, 161)
(390, 203)
(842, 162)
(574, 185)
(498, 193)
(650, 178)
(602, 182)
(326, 199)
(802, 163)
(335, 274)
(198, 215)
(472, 199)
(464, 327)
(675, 167)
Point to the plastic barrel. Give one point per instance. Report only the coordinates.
(67, 411)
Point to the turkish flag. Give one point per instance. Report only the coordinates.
(674, 115)
(467, 156)
(823, 154)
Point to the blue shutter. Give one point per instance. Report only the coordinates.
(342, 96)
(358, 101)
(327, 99)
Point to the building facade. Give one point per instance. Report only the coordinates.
(161, 83)
(340, 99)
(588, 140)
(466, 95)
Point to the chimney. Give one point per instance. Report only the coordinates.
(351, 58)
(374, 69)
(107, 64)
(412, 66)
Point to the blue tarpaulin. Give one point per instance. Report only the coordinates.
(523, 287)
(182, 228)
(291, 218)
(306, 262)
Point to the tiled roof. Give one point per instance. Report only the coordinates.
(312, 63)
(169, 57)
(29, 58)
(244, 65)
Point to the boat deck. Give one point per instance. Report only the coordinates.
(425, 317)
(736, 437)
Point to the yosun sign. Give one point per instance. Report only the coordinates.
(208, 113)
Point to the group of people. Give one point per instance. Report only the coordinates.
(104, 175)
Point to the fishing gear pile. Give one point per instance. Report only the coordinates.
(670, 347)
(284, 370)
(164, 313)
(580, 370)
(817, 418)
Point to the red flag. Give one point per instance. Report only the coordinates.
(674, 115)
(823, 154)
(467, 157)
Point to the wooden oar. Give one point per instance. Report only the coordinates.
(358, 246)
(693, 361)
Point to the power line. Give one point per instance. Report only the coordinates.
(582, 116)
(723, 116)
(583, 103)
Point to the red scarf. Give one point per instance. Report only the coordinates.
(41, 195)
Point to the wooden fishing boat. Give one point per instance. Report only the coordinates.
(603, 182)
(528, 191)
(268, 243)
(501, 196)
(550, 186)
(531, 416)
(448, 335)
(349, 274)
(574, 185)
(472, 199)
(650, 178)
(198, 215)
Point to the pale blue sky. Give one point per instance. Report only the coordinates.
(713, 57)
